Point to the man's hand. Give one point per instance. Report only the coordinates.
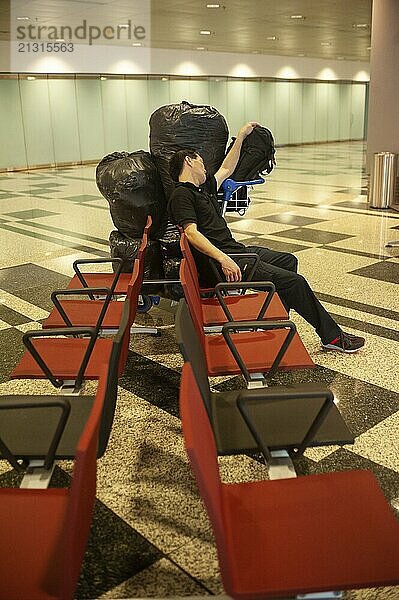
(230, 269)
(247, 129)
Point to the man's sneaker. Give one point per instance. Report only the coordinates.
(345, 342)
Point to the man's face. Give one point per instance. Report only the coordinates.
(198, 168)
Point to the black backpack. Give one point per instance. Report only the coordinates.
(256, 156)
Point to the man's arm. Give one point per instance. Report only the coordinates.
(230, 162)
(201, 243)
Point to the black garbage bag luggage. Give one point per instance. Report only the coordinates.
(171, 268)
(186, 125)
(256, 156)
(170, 242)
(127, 248)
(131, 184)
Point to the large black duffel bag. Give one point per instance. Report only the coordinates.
(186, 125)
(131, 184)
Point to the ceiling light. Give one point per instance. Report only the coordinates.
(200, 48)
(361, 25)
(255, 51)
(301, 54)
(213, 5)
(164, 79)
(205, 32)
(103, 78)
(23, 18)
(325, 44)
(368, 47)
(60, 40)
(30, 78)
(297, 17)
(272, 37)
(340, 58)
(137, 44)
(123, 26)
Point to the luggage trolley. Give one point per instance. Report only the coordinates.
(233, 196)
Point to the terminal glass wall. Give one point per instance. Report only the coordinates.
(55, 120)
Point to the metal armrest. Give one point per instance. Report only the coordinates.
(268, 285)
(96, 261)
(278, 394)
(244, 255)
(62, 331)
(236, 326)
(80, 292)
(37, 402)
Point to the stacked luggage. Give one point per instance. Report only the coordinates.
(138, 184)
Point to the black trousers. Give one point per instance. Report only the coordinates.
(281, 269)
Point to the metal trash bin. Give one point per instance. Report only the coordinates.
(383, 180)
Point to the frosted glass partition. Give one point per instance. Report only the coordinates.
(64, 120)
(56, 119)
(12, 147)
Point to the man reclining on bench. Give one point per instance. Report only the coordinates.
(193, 205)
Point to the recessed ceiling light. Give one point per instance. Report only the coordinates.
(23, 18)
(325, 44)
(103, 78)
(205, 32)
(60, 40)
(213, 5)
(297, 17)
(30, 78)
(137, 44)
(361, 25)
(123, 26)
(272, 37)
(200, 48)
(164, 79)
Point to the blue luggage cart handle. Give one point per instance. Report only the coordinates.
(229, 186)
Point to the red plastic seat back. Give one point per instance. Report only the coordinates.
(65, 566)
(187, 253)
(201, 448)
(193, 298)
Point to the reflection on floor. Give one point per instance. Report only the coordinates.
(150, 535)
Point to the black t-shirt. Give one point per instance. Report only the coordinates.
(191, 204)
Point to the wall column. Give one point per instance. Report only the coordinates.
(383, 114)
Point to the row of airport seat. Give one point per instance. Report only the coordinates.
(286, 536)
(44, 530)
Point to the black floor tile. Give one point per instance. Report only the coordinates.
(12, 317)
(152, 382)
(35, 213)
(312, 235)
(11, 351)
(383, 271)
(274, 244)
(291, 219)
(82, 198)
(21, 277)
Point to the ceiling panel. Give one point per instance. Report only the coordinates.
(328, 29)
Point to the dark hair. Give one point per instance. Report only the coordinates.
(177, 160)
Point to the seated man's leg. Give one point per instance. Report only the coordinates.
(284, 260)
(296, 293)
